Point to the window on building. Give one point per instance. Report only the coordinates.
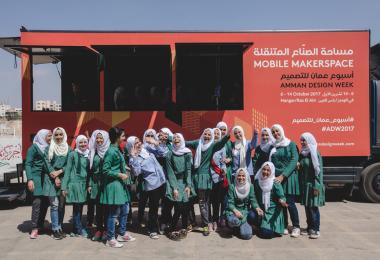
(137, 78)
(210, 76)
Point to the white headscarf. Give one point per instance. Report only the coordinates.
(40, 139)
(222, 124)
(84, 152)
(167, 131)
(266, 184)
(131, 142)
(312, 150)
(58, 149)
(98, 149)
(283, 142)
(181, 149)
(150, 131)
(202, 147)
(265, 146)
(242, 190)
(241, 146)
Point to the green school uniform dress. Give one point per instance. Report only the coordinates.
(115, 190)
(309, 182)
(36, 168)
(96, 177)
(285, 160)
(75, 180)
(243, 205)
(273, 218)
(56, 163)
(179, 176)
(259, 158)
(202, 175)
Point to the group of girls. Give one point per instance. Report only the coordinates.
(250, 195)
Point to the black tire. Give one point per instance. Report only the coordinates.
(370, 183)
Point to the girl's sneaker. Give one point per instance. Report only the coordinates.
(114, 244)
(286, 232)
(154, 235)
(84, 233)
(126, 238)
(34, 234)
(56, 235)
(314, 234)
(295, 232)
(97, 236)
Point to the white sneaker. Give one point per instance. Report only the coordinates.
(125, 238)
(286, 232)
(295, 232)
(113, 243)
(314, 234)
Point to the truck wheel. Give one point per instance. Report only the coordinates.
(370, 183)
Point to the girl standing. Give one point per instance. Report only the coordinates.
(179, 188)
(241, 151)
(115, 194)
(145, 164)
(205, 149)
(284, 156)
(263, 150)
(313, 189)
(35, 167)
(57, 159)
(74, 183)
(220, 182)
(271, 199)
(98, 145)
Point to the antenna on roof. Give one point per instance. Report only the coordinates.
(23, 29)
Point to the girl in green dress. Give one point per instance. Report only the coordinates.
(271, 199)
(58, 153)
(74, 183)
(179, 187)
(115, 194)
(98, 145)
(205, 149)
(313, 189)
(284, 156)
(35, 167)
(263, 150)
(242, 204)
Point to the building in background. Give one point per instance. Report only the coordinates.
(47, 105)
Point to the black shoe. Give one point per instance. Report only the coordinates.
(63, 235)
(57, 235)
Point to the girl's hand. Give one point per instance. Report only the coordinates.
(188, 191)
(315, 192)
(57, 182)
(123, 176)
(259, 211)
(283, 203)
(238, 214)
(227, 160)
(175, 194)
(64, 193)
(89, 189)
(31, 185)
(298, 166)
(279, 179)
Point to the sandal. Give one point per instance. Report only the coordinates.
(182, 233)
(175, 236)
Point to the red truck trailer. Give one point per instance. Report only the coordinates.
(314, 81)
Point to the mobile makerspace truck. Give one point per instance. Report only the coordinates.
(308, 81)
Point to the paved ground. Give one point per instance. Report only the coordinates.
(349, 230)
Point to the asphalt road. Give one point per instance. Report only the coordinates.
(349, 230)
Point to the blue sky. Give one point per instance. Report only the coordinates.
(170, 15)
